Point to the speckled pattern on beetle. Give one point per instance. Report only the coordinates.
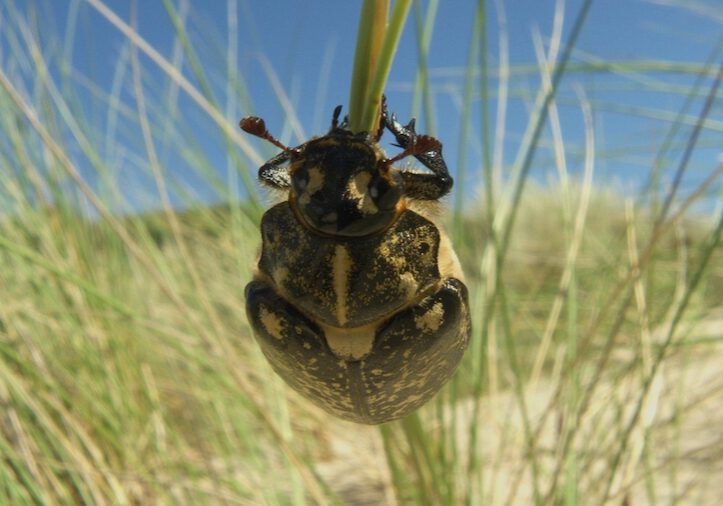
(358, 301)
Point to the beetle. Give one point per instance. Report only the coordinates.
(358, 300)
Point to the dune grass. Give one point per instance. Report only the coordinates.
(128, 374)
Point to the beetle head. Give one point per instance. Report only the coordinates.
(341, 183)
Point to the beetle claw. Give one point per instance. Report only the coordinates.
(335, 117)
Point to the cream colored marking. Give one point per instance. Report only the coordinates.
(358, 190)
(280, 275)
(398, 261)
(271, 322)
(432, 319)
(316, 183)
(341, 268)
(352, 343)
(447, 261)
(408, 284)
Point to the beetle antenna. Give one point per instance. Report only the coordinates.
(418, 145)
(256, 126)
(335, 117)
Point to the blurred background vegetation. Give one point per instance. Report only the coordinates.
(129, 375)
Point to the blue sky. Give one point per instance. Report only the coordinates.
(310, 45)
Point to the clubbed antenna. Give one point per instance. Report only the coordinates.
(256, 126)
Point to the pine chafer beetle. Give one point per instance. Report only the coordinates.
(358, 301)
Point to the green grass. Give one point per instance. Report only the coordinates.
(129, 375)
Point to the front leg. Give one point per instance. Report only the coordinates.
(418, 185)
(275, 172)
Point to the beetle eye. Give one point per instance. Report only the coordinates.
(385, 196)
(300, 180)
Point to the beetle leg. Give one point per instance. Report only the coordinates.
(420, 186)
(382, 120)
(275, 172)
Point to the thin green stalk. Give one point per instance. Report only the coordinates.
(372, 27)
(677, 124)
(177, 77)
(474, 474)
(88, 287)
(522, 169)
(20, 480)
(695, 279)
(524, 163)
(423, 463)
(683, 165)
(383, 64)
(200, 76)
(399, 476)
(424, 28)
(476, 40)
(518, 385)
(713, 242)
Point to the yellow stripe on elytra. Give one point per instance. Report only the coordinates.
(341, 268)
